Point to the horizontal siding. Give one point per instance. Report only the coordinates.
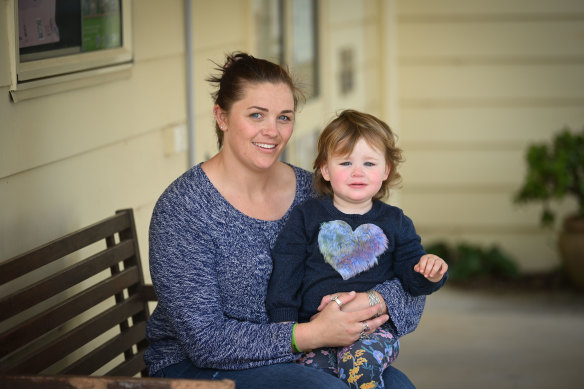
(55, 199)
(483, 125)
(461, 167)
(503, 41)
(341, 13)
(488, 83)
(478, 82)
(44, 130)
(486, 210)
(496, 7)
(69, 159)
(163, 39)
(219, 25)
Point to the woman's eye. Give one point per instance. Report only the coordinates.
(285, 118)
(256, 115)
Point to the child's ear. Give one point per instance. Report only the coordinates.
(325, 172)
(387, 171)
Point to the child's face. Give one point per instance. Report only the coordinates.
(357, 177)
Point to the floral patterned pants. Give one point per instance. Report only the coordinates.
(361, 364)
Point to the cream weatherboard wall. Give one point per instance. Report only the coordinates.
(71, 158)
(479, 81)
(466, 84)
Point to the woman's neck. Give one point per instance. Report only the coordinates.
(262, 194)
(231, 174)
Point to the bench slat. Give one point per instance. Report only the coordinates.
(35, 361)
(58, 248)
(148, 293)
(50, 322)
(80, 382)
(66, 278)
(54, 317)
(107, 351)
(129, 366)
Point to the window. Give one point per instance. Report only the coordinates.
(268, 22)
(299, 47)
(304, 43)
(65, 44)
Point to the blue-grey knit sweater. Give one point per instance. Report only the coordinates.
(210, 266)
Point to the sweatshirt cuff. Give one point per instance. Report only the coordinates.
(283, 314)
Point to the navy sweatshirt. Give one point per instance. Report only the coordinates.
(322, 250)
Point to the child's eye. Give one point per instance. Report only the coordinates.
(369, 164)
(345, 163)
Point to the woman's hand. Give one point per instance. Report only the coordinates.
(361, 301)
(333, 327)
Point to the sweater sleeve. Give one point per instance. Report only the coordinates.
(183, 265)
(288, 256)
(405, 310)
(408, 252)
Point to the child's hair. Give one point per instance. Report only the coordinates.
(241, 70)
(340, 137)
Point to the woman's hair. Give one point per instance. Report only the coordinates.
(340, 137)
(240, 71)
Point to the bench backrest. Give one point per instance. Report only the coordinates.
(77, 305)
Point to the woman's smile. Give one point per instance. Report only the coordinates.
(266, 146)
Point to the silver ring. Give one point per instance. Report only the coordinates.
(336, 300)
(365, 327)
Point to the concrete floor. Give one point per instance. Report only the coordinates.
(470, 339)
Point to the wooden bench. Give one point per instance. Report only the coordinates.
(75, 307)
(85, 382)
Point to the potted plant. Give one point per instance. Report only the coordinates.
(555, 171)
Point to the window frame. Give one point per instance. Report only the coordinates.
(34, 78)
(286, 54)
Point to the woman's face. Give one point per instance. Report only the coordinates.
(258, 126)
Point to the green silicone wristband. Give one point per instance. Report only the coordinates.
(295, 348)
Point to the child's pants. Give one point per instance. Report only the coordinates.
(361, 364)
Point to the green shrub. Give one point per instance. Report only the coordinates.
(555, 170)
(466, 261)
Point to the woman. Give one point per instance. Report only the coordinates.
(210, 239)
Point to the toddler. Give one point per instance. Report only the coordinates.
(347, 239)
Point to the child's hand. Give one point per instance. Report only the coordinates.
(431, 267)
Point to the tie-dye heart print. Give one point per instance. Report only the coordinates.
(351, 252)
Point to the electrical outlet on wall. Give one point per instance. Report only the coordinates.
(175, 139)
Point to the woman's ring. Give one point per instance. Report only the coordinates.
(366, 327)
(336, 300)
(363, 333)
